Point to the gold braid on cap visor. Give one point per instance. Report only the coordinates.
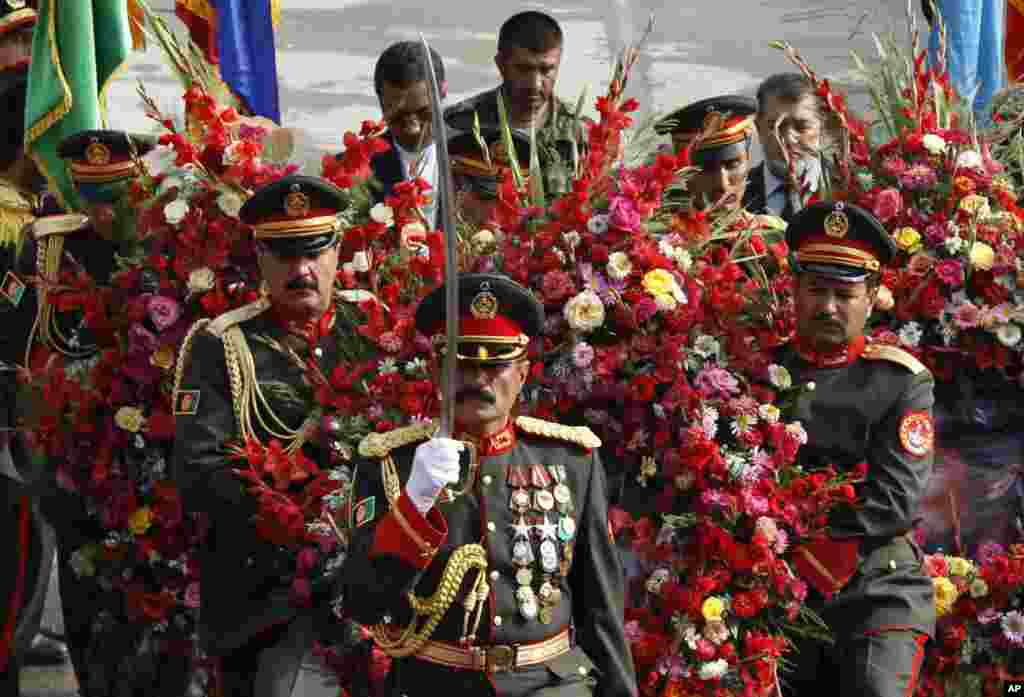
(736, 133)
(99, 174)
(296, 228)
(824, 253)
(508, 348)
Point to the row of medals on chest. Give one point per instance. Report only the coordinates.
(539, 493)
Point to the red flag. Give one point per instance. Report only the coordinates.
(200, 18)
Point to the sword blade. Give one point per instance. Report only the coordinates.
(446, 203)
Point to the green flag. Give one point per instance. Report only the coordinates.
(77, 49)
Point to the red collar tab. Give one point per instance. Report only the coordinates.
(843, 357)
(312, 331)
(494, 444)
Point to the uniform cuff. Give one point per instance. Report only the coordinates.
(408, 535)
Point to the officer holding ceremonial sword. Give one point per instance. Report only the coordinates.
(504, 579)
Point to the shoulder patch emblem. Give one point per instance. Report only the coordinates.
(186, 402)
(365, 511)
(380, 444)
(580, 435)
(13, 288)
(886, 352)
(917, 433)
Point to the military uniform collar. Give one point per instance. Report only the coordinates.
(493, 444)
(313, 331)
(844, 357)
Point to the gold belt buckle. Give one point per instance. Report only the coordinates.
(500, 659)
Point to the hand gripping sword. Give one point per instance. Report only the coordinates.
(446, 202)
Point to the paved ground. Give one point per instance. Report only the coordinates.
(327, 49)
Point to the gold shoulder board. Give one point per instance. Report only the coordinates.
(380, 444)
(887, 352)
(579, 435)
(234, 317)
(63, 224)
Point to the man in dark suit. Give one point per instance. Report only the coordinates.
(787, 109)
(402, 83)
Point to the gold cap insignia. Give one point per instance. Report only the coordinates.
(837, 224)
(296, 204)
(485, 304)
(97, 153)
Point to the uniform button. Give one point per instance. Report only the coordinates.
(495, 575)
(488, 479)
(318, 352)
(497, 621)
(583, 670)
(491, 526)
(250, 561)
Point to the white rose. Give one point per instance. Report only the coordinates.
(683, 259)
(230, 203)
(483, 239)
(910, 334)
(619, 265)
(780, 377)
(360, 262)
(797, 429)
(713, 670)
(584, 312)
(572, 238)
(934, 144)
(969, 159)
(201, 280)
(382, 214)
(954, 244)
(175, 211)
(1008, 335)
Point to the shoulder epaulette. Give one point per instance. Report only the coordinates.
(888, 352)
(234, 317)
(63, 224)
(380, 444)
(580, 435)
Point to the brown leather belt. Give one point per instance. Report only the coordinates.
(495, 659)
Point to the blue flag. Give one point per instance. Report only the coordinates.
(975, 32)
(248, 61)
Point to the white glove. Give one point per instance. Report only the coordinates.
(434, 466)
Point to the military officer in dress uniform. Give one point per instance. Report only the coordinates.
(483, 563)
(243, 377)
(477, 174)
(872, 404)
(38, 334)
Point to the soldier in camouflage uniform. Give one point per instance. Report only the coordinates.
(528, 58)
(872, 403)
(247, 619)
(483, 563)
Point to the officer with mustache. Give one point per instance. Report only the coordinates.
(483, 563)
(248, 622)
(872, 404)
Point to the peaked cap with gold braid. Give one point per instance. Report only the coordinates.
(730, 119)
(838, 240)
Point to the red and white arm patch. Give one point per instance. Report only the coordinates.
(917, 433)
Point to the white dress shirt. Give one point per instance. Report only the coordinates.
(427, 163)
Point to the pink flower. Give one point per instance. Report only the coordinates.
(950, 272)
(623, 214)
(163, 311)
(987, 551)
(582, 355)
(191, 599)
(557, 286)
(966, 315)
(888, 205)
(754, 503)
(716, 382)
(645, 309)
(893, 166)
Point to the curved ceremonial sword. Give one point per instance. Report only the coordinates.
(446, 202)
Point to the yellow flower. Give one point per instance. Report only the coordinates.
(982, 256)
(712, 609)
(659, 282)
(163, 357)
(140, 520)
(958, 566)
(908, 239)
(945, 595)
(130, 419)
(975, 204)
